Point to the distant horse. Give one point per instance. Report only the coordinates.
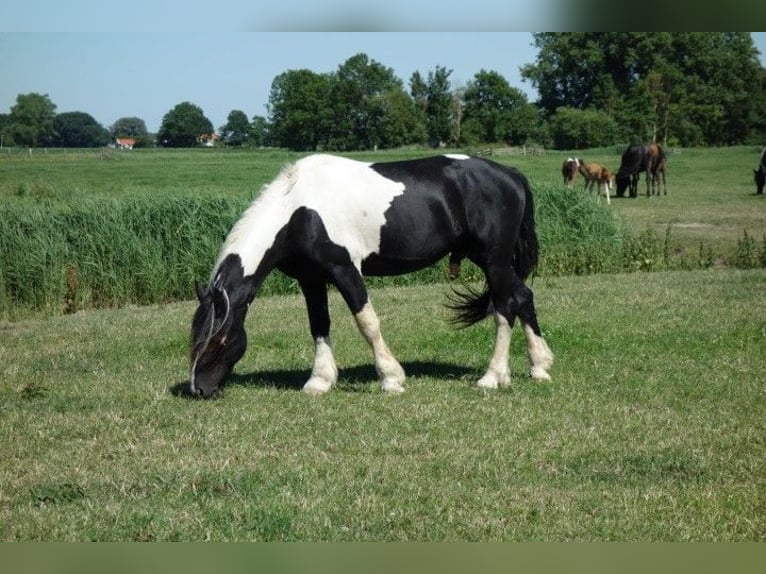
(658, 170)
(635, 159)
(759, 175)
(569, 170)
(596, 174)
(331, 220)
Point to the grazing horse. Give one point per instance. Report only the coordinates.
(635, 159)
(596, 174)
(331, 220)
(569, 170)
(759, 175)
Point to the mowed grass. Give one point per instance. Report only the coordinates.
(67, 173)
(653, 427)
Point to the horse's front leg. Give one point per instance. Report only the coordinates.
(324, 372)
(389, 370)
(351, 285)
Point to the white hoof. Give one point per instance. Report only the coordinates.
(316, 386)
(487, 382)
(392, 386)
(493, 379)
(539, 374)
(545, 360)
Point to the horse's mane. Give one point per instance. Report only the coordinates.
(206, 314)
(270, 195)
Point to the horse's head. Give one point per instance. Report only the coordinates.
(218, 341)
(622, 183)
(569, 169)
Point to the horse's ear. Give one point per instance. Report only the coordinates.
(199, 290)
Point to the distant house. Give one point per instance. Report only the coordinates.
(208, 140)
(124, 143)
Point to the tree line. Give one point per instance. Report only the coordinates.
(595, 89)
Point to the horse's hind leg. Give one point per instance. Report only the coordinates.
(511, 299)
(538, 352)
(498, 372)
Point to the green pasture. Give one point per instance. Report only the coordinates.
(652, 428)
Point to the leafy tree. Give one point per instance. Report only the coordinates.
(78, 129)
(236, 130)
(494, 110)
(131, 127)
(297, 109)
(419, 92)
(399, 123)
(183, 125)
(5, 130)
(438, 108)
(678, 85)
(32, 120)
(260, 132)
(578, 129)
(358, 91)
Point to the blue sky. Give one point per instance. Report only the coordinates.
(111, 76)
(145, 74)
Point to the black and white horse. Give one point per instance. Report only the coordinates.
(759, 175)
(331, 220)
(569, 170)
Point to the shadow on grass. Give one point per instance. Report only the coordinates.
(352, 379)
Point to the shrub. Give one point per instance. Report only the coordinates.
(577, 234)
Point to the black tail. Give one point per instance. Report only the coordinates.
(527, 250)
(472, 306)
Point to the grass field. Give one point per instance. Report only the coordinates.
(652, 428)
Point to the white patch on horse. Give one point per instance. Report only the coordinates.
(498, 372)
(324, 374)
(540, 355)
(349, 196)
(389, 370)
(192, 388)
(458, 156)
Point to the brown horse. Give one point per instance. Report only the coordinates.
(658, 169)
(598, 175)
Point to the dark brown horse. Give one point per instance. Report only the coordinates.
(759, 175)
(649, 158)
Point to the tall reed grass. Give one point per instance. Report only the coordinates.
(62, 254)
(68, 254)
